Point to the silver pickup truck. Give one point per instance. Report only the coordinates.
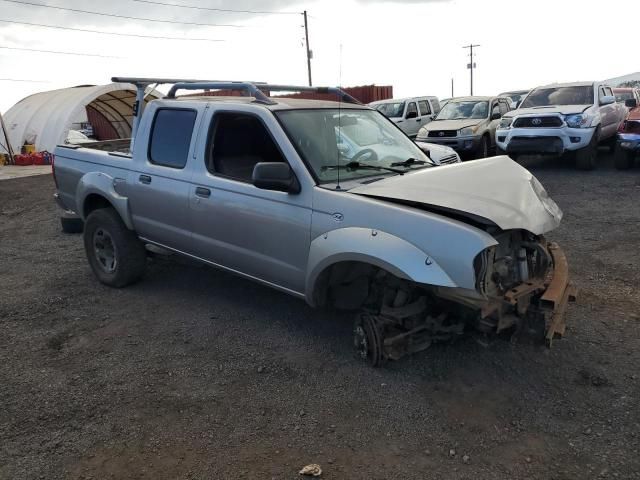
(262, 187)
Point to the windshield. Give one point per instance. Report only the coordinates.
(391, 110)
(326, 138)
(621, 97)
(545, 97)
(459, 110)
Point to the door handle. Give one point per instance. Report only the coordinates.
(203, 192)
(418, 119)
(146, 179)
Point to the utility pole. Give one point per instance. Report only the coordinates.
(309, 52)
(471, 65)
(452, 95)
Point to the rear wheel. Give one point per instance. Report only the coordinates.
(116, 255)
(586, 157)
(623, 159)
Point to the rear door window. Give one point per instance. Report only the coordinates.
(171, 137)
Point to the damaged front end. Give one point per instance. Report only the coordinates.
(525, 282)
(522, 288)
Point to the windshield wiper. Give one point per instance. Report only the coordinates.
(359, 166)
(408, 162)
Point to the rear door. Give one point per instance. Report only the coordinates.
(260, 233)
(159, 183)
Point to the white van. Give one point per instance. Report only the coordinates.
(410, 114)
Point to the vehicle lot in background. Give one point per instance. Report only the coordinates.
(410, 114)
(467, 124)
(194, 372)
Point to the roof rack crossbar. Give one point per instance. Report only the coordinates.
(249, 88)
(256, 90)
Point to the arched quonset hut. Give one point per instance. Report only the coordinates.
(47, 117)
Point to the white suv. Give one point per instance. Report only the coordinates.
(410, 114)
(559, 118)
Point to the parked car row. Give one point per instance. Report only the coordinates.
(465, 124)
(553, 120)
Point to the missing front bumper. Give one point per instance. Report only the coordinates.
(559, 292)
(537, 306)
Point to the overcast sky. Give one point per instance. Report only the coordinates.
(416, 46)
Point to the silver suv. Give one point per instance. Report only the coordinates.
(263, 187)
(467, 124)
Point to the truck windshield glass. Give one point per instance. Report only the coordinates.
(391, 110)
(454, 110)
(329, 137)
(545, 97)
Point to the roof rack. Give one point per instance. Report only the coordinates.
(254, 89)
(257, 90)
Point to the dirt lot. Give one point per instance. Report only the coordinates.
(194, 373)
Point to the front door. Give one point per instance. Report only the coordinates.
(260, 233)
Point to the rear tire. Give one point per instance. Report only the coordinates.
(586, 157)
(624, 159)
(116, 255)
(71, 225)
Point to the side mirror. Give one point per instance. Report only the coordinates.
(631, 103)
(517, 104)
(276, 176)
(411, 115)
(496, 116)
(608, 100)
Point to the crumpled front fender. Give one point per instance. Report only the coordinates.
(381, 249)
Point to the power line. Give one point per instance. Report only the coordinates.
(59, 52)
(113, 15)
(22, 80)
(110, 33)
(265, 12)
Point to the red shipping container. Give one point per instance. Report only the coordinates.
(23, 160)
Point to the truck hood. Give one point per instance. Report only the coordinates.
(561, 109)
(453, 124)
(497, 190)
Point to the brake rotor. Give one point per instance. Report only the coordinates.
(367, 340)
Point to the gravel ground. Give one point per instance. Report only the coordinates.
(194, 373)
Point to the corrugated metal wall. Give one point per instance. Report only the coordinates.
(365, 93)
